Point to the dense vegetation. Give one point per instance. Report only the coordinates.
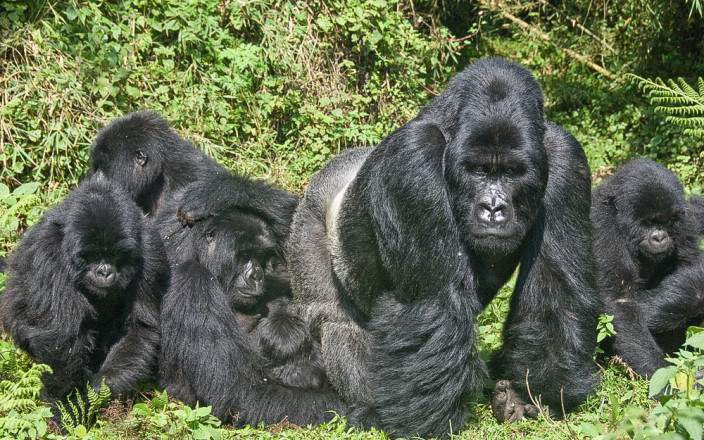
(275, 88)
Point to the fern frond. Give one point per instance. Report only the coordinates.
(680, 103)
(83, 412)
(21, 396)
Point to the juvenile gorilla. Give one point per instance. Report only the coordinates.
(395, 250)
(141, 152)
(255, 219)
(650, 269)
(229, 267)
(84, 289)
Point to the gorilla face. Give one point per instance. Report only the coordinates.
(107, 271)
(102, 242)
(497, 178)
(653, 217)
(240, 250)
(138, 170)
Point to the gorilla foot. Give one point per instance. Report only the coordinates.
(364, 417)
(186, 218)
(507, 406)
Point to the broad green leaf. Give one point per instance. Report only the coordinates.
(660, 380)
(26, 189)
(696, 341)
(692, 426)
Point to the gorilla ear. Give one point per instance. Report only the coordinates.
(610, 202)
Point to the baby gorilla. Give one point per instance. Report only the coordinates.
(83, 292)
(650, 269)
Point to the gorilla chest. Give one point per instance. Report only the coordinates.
(491, 275)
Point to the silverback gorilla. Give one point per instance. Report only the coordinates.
(83, 292)
(395, 250)
(650, 269)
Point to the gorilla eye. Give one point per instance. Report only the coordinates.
(476, 168)
(140, 157)
(274, 264)
(511, 172)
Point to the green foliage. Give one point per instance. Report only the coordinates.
(22, 416)
(682, 104)
(164, 419)
(275, 88)
(680, 413)
(78, 415)
(271, 88)
(21, 207)
(605, 327)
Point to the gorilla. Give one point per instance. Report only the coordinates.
(261, 208)
(650, 271)
(394, 250)
(141, 152)
(84, 289)
(228, 266)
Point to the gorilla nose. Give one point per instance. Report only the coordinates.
(493, 211)
(105, 270)
(657, 237)
(257, 274)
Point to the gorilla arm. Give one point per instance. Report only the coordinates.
(43, 311)
(134, 356)
(550, 334)
(422, 361)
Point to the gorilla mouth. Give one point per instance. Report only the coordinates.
(657, 251)
(102, 282)
(504, 233)
(494, 233)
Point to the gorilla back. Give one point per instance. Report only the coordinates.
(394, 251)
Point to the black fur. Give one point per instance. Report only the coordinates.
(650, 269)
(292, 355)
(206, 355)
(84, 289)
(146, 156)
(224, 194)
(390, 261)
(696, 207)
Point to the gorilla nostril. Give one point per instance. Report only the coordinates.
(104, 270)
(492, 211)
(257, 274)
